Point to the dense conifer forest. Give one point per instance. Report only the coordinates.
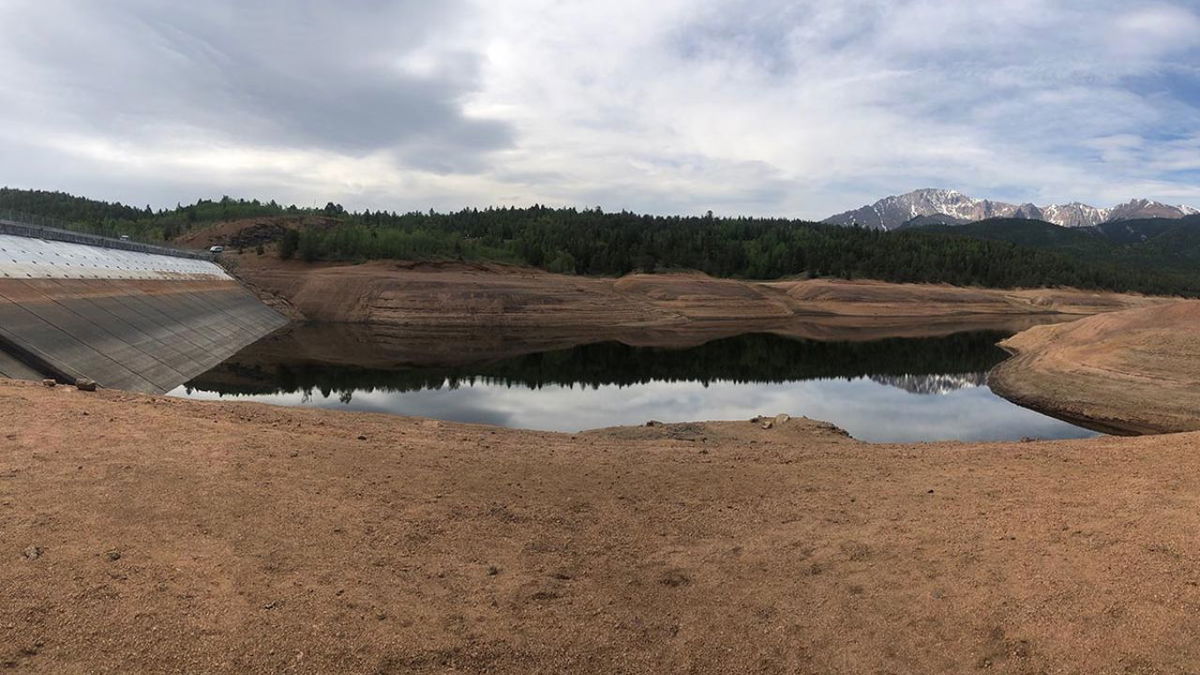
(590, 241)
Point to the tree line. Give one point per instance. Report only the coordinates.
(594, 242)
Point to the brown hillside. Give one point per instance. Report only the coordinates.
(1133, 371)
(248, 232)
(449, 294)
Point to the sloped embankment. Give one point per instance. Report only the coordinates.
(486, 295)
(1135, 371)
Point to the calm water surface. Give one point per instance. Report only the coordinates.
(887, 390)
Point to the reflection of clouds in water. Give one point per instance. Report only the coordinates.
(869, 410)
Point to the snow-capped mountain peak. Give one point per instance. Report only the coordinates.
(1075, 214)
(951, 206)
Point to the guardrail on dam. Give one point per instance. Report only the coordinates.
(128, 315)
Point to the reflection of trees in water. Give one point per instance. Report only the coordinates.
(748, 358)
(933, 384)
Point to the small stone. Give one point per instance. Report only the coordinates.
(113, 555)
(49, 383)
(675, 578)
(33, 552)
(778, 420)
(362, 438)
(85, 384)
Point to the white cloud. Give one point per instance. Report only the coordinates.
(742, 106)
(1155, 30)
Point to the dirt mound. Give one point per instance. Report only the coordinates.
(913, 296)
(683, 286)
(1133, 371)
(406, 294)
(248, 232)
(699, 296)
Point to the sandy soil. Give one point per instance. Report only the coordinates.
(497, 296)
(145, 534)
(1136, 371)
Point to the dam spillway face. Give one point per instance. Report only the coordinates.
(128, 319)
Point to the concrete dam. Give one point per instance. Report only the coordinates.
(127, 315)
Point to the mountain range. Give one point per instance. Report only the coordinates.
(951, 207)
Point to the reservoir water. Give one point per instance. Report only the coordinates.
(889, 390)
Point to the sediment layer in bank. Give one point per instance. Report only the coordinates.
(445, 295)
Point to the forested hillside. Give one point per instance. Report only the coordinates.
(1163, 244)
(110, 219)
(593, 242)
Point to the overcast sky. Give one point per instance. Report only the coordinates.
(797, 108)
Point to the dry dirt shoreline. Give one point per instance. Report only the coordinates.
(1133, 372)
(146, 534)
(460, 295)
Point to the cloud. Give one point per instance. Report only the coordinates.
(767, 107)
(1155, 30)
(310, 76)
(839, 101)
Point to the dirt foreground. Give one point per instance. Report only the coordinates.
(143, 534)
(1136, 371)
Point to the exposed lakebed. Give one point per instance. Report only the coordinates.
(884, 390)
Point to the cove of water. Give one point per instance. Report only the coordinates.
(889, 390)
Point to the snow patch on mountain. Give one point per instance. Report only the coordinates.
(916, 207)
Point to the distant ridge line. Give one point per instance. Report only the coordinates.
(951, 207)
